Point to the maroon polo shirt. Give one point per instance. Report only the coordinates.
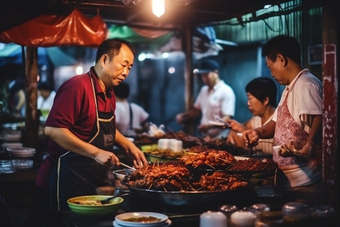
(74, 108)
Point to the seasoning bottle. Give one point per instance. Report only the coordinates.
(269, 219)
(213, 218)
(322, 215)
(243, 218)
(258, 208)
(227, 210)
(296, 214)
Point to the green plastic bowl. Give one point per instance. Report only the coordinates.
(79, 205)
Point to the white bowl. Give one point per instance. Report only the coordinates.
(121, 173)
(21, 152)
(22, 164)
(12, 137)
(4, 146)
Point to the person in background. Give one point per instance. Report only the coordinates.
(45, 98)
(131, 119)
(296, 124)
(261, 93)
(17, 102)
(215, 99)
(82, 129)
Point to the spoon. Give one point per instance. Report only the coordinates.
(107, 200)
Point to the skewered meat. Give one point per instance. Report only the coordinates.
(216, 159)
(167, 177)
(221, 181)
(171, 177)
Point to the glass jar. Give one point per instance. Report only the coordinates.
(269, 219)
(296, 214)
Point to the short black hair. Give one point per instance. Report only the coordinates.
(283, 44)
(122, 90)
(44, 86)
(261, 88)
(112, 47)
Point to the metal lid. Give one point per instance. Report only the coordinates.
(292, 207)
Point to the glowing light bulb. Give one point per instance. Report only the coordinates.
(158, 7)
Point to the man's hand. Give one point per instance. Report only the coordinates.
(251, 137)
(106, 158)
(289, 150)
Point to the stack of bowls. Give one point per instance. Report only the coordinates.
(22, 164)
(21, 152)
(14, 136)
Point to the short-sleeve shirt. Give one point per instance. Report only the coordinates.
(74, 108)
(123, 117)
(305, 98)
(218, 101)
(46, 104)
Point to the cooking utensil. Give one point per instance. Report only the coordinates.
(224, 123)
(127, 166)
(79, 205)
(107, 200)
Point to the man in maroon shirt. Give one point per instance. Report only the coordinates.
(82, 130)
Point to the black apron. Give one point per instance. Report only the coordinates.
(77, 175)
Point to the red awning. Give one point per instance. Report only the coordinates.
(52, 30)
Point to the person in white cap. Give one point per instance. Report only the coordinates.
(215, 99)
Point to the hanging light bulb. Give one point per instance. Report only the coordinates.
(158, 7)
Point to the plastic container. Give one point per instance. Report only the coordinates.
(227, 210)
(243, 219)
(213, 218)
(269, 219)
(176, 145)
(296, 214)
(323, 215)
(258, 208)
(163, 143)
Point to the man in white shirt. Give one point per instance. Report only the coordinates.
(131, 118)
(45, 99)
(215, 99)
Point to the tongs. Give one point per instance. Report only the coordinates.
(127, 166)
(225, 123)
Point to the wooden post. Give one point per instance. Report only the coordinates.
(330, 105)
(189, 99)
(32, 116)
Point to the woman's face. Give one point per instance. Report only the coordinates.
(255, 106)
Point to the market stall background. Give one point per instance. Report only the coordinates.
(133, 16)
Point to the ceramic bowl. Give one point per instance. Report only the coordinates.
(21, 152)
(22, 164)
(88, 206)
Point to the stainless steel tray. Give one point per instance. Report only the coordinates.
(190, 198)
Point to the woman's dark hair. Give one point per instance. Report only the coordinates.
(122, 90)
(112, 47)
(283, 44)
(261, 88)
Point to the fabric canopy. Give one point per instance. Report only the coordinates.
(12, 54)
(52, 30)
(154, 39)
